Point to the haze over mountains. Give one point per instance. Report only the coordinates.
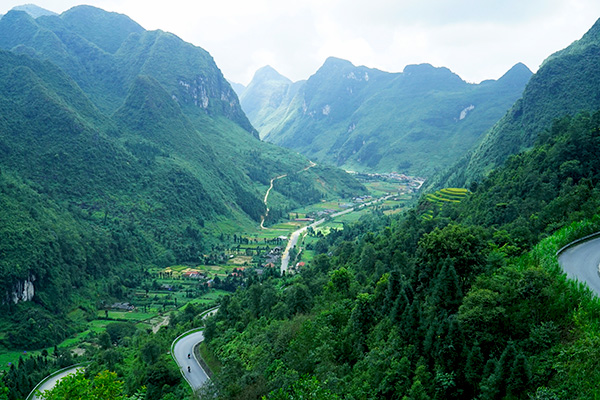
(417, 122)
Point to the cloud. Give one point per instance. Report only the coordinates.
(476, 39)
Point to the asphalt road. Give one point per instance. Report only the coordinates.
(184, 346)
(580, 262)
(49, 384)
(285, 259)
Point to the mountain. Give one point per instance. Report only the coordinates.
(33, 10)
(566, 83)
(267, 98)
(475, 297)
(238, 88)
(418, 121)
(119, 151)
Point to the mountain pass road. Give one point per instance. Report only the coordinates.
(52, 381)
(196, 377)
(580, 262)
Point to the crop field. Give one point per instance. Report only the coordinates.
(441, 197)
(382, 188)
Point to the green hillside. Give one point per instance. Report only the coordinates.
(567, 82)
(130, 150)
(418, 122)
(470, 304)
(434, 202)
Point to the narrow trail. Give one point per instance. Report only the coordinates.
(263, 217)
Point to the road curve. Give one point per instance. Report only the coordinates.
(49, 383)
(580, 262)
(184, 345)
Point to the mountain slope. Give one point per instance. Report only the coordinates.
(418, 121)
(126, 157)
(566, 83)
(266, 97)
(33, 10)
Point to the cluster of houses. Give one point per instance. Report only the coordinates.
(194, 275)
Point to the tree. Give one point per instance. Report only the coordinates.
(104, 386)
(104, 340)
(150, 352)
(305, 388)
(464, 246)
(520, 376)
(340, 281)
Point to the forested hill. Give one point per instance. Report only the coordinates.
(464, 305)
(567, 82)
(119, 151)
(417, 122)
(104, 53)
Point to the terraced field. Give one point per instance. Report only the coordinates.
(436, 201)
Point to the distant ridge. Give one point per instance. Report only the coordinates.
(417, 122)
(33, 10)
(567, 83)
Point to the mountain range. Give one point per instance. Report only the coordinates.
(121, 147)
(566, 83)
(418, 121)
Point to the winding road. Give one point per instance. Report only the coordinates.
(196, 377)
(263, 217)
(50, 382)
(184, 345)
(580, 262)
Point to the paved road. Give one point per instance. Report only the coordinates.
(184, 346)
(50, 383)
(285, 259)
(580, 262)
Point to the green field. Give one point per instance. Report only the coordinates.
(441, 197)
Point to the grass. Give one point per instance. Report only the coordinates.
(133, 316)
(209, 358)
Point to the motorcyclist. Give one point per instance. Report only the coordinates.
(189, 369)
(188, 355)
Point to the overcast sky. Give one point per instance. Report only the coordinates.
(477, 39)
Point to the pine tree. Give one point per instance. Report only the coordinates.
(520, 375)
(489, 384)
(474, 366)
(447, 293)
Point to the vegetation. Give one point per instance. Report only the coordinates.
(435, 201)
(362, 119)
(119, 174)
(113, 162)
(465, 305)
(566, 84)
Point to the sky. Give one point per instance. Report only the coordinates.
(476, 39)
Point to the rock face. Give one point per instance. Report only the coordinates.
(23, 290)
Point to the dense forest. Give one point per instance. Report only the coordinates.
(466, 305)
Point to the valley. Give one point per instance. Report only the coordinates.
(237, 256)
(360, 234)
